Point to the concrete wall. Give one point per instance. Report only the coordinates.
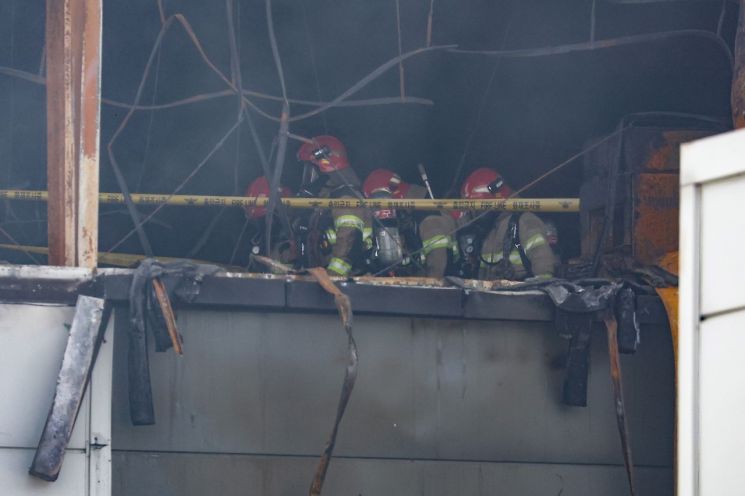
(440, 408)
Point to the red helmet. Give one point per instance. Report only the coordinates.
(259, 188)
(327, 152)
(485, 183)
(381, 181)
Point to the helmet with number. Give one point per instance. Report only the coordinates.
(326, 152)
(485, 183)
(259, 188)
(381, 182)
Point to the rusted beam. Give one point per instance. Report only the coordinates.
(73, 47)
(90, 134)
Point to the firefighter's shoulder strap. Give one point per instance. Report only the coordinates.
(512, 242)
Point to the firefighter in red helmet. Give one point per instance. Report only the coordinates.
(328, 175)
(511, 245)
(282, 244)
(395, 233)
(259, 188)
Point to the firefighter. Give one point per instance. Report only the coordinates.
(430, 233)
(511, 245)
(327, 174)
(283, 248)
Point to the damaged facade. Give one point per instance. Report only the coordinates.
(486, 196)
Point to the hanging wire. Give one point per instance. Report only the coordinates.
(401, 77)
(362, 83)
(593, 20)
(161, 11)
(722, 15)
(430, 20)
(237, 80)
(313, 63)
(151, 120)
(183, 183)
(480, 110)
(606, 43)
(282, 134)
(20, 246)
(238, 242)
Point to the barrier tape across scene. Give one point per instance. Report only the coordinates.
(552, 205)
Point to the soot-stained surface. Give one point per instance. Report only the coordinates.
(520, 115)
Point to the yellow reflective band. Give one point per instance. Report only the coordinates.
(339, 267)
(349, 221)
(435, 242)
(493, 258)
(331, 236)
(535, 241)
(515, 258)
(367, 233)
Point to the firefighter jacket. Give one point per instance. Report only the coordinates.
(351, 225)
(436, 231)
(536, 252)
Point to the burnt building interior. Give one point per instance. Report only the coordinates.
(578, 99)
(522, 114)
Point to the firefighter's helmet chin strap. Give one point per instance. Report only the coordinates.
(512, 242)
(313, 181)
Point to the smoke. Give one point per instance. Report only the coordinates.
(534, 114)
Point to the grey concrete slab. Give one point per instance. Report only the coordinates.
(173, 474)
(430, 389)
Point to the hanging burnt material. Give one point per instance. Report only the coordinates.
(153, 286)
(344, 307)
(577, 328)
(615, 374)
(83, 342)
(578, 306)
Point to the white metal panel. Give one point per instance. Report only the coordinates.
(713, 158)
(15, 481)
(711, 401)
(33, 341)
(100, 417)
(722, 243)
(687, 366)
(722, 437)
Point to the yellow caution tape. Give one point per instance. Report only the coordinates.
(117, 259)
(512, 205)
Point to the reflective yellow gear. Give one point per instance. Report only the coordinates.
(367, 237)
(494, 258)
(337, 266)
(534, 242)
(349, 221)
(436, 242)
